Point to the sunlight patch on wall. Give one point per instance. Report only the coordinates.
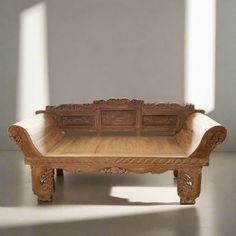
(33, 91)
(200, 53)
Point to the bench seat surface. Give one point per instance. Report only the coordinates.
(118, 146)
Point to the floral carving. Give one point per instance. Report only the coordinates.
(16, 139)
(46, 180)
(188, 185)
(114, 170)
(185, 183)
(114, 101)
(43, 182)
(216, 139)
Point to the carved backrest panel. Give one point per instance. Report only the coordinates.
(120, 115)
(74, 116)
(167, 117)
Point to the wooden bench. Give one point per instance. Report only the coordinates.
(118, 136)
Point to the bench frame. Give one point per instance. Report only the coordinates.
(197, 134)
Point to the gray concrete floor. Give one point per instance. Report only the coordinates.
(131, 204)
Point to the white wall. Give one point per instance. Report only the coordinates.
(225, 83)
(114, 48)
(9, 52)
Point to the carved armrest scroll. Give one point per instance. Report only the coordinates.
(200, 135)
(217, 138)
(19, 136)
(212, 138)
(34, 135)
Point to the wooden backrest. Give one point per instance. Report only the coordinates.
(120, 115)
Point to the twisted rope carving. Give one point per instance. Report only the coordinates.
(164, 161)
(128, 161)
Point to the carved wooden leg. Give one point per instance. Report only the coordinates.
(189, 185)
(43, 182)
(59, 172)
(175, 172)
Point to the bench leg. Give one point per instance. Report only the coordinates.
(59, 172)
(43, 184)
(175, 172)
(189, 185)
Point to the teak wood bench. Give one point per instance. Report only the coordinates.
(83, 138)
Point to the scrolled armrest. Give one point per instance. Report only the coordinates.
(35, 136)
(217, 138)
(200, 135)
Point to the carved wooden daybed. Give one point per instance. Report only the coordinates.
(84, 138)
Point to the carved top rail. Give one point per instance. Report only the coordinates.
(121, 115)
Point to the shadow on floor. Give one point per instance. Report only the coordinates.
(81, 188)
(96, 188)
(177, 222)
